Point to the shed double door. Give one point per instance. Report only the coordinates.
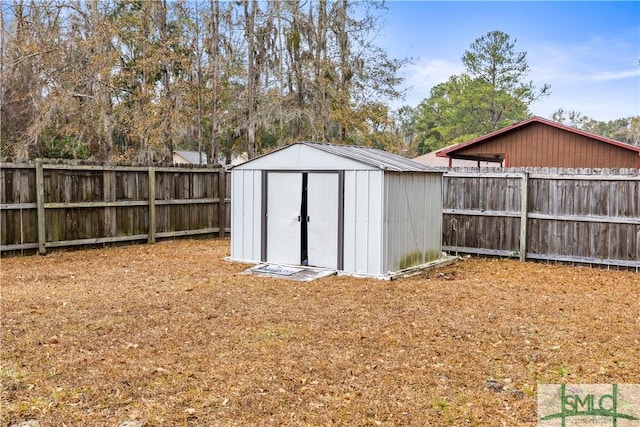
(302, 218)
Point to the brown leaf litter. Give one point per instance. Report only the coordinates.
(170, 334)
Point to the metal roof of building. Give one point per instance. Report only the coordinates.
(192, 157)
(372, 157)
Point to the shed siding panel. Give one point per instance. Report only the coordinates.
(246, 209)
(545, 146)
(376, 218)
(349, 244)
(413, 219)
(237, 232)
(363, 222)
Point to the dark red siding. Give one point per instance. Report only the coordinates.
(540, 145)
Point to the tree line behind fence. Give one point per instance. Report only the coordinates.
(583, 216)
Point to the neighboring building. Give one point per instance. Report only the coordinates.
(537, 142)
(236, 159)
(432, 159)
(193, 157)
(181, 157)
(353, 209)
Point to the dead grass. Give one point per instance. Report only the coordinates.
(170, 334)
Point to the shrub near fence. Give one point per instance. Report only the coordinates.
(55, 205)
(569, 215)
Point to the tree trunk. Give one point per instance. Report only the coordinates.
(322, 109)
(253, 77)
(345, 68)
(168, 104)
(215, 76)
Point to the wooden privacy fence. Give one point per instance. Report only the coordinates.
(581, 216)
(54, 205)
(569, 215)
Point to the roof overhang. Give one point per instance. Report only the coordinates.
(481, 157)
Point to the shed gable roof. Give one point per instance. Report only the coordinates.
(455, 149)
(370, 157)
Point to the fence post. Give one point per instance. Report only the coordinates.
(42, 232)
(152, 205)
(524, 206)
(109, 195)
(222, 204)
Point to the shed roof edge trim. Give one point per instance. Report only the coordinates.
(372, 157)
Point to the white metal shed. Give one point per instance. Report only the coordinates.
(354, 209)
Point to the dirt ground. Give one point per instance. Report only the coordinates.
(171, 335)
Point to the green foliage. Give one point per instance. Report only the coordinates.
(570, 118)
(64, 147)
(462, 109)
(293, 41)
(491, 94)
(624, 130)
(562, 371)
(268, 139)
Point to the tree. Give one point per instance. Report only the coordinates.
(405, 129)
(624, 129)
(132, 79)
(491, 94)
(494, 61)
(26, 50)
(215, 77)
(571, 118)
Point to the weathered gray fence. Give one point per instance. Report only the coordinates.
(582, 216)
(54, 205)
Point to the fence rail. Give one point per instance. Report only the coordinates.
(568, 215)
(56, 205)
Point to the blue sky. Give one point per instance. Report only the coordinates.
(589, 52)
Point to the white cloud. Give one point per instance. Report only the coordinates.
(427, 73)
(600, 101)
(595, 60)
(601, 76)
(596, 78)
(589, 76)
(421, 76)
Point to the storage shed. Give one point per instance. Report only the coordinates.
(357, 210)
